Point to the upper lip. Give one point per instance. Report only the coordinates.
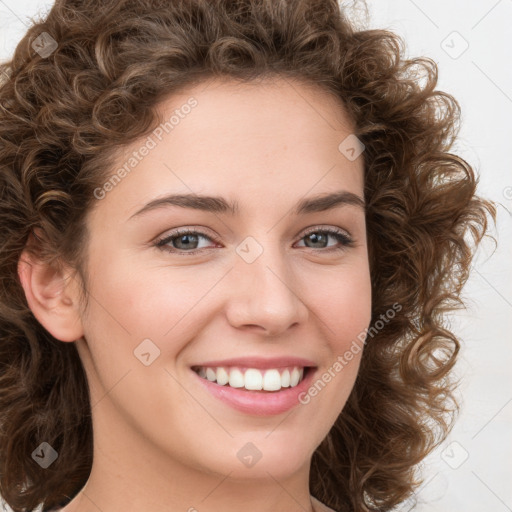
(260, 362)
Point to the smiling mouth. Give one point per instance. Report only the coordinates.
(254, 379)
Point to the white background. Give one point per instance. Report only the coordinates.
(471, 41)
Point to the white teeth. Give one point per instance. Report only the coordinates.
(294, 377)
(222, 376)
(236, 378)
(285, 378)
(253, 379)
(272, 380)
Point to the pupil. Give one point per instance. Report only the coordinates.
(187, 239)
(315, 237)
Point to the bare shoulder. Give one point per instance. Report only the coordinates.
(320, 507)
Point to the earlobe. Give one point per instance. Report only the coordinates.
(52, 297)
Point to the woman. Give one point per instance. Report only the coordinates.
(230, 231)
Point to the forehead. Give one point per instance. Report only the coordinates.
(270, 139)
(263, 108)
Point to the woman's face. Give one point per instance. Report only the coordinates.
(265, 285)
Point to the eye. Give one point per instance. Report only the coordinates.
(187, 238)
(186, 241)
(321, 236)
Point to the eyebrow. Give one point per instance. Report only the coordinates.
(217, 204)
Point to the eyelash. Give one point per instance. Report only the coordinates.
(343, 238)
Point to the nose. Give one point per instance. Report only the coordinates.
(264, 295)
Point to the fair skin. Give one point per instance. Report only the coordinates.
(161, 441)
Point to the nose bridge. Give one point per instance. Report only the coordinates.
(263, 292)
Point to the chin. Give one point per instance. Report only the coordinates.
(254, 456)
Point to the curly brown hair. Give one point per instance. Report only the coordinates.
(63, 119)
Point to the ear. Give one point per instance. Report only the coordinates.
(52, 295)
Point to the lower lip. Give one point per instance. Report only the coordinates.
(260, 403)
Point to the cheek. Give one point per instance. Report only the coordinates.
(344, 311)
(148, 302)
(343, 301)
(128, 305)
